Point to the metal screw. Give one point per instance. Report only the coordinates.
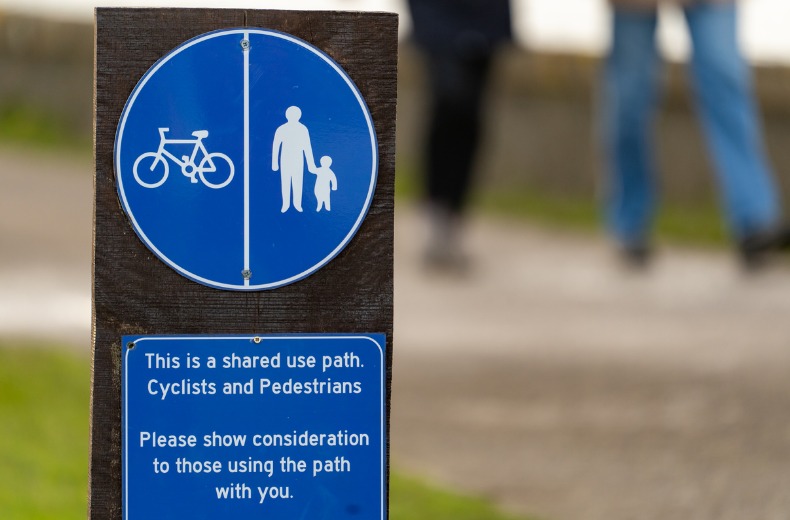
(130, 345)
(256, 339)
(245, 45)
(246, 274)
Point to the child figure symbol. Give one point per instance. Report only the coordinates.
(325, 183)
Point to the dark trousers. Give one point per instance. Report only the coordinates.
(457, 85)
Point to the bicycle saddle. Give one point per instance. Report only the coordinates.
(200, 134)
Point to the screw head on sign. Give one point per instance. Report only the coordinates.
(245, 45)
(246, 274)
(256, 339)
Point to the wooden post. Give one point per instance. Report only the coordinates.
(137, 294)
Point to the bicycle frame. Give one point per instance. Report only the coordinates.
(198, 147)
(190, 168)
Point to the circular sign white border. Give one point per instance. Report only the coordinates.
(119, 139)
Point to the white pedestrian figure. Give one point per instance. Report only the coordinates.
(290, 149)
(325, 183)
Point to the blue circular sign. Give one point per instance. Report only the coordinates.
(246, 159)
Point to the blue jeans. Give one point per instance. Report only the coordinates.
(722, 81)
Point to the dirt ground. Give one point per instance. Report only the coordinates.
(549, 380)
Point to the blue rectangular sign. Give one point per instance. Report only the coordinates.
(282, 427)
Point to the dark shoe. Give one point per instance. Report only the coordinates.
(636, 257)
(755, 248)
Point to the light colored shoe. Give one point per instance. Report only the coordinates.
(444, 251)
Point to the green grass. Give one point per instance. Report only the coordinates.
(22, 124)
(43, 434)
(412, 499)
(44, 410)
(700, 225)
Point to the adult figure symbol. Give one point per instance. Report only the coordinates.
(290, 149)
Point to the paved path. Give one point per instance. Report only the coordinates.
(555, 383)
(46, 206)
(549, 380)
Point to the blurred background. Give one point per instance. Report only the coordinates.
(545, 379)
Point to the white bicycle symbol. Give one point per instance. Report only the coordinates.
(213, 172)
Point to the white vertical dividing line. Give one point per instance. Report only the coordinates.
(247, 160)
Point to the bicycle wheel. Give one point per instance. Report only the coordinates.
(216, 170)
(148, 172)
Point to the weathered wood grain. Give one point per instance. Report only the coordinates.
(135, 293)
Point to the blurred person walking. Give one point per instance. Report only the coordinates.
(726, 106)
(459, 39)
